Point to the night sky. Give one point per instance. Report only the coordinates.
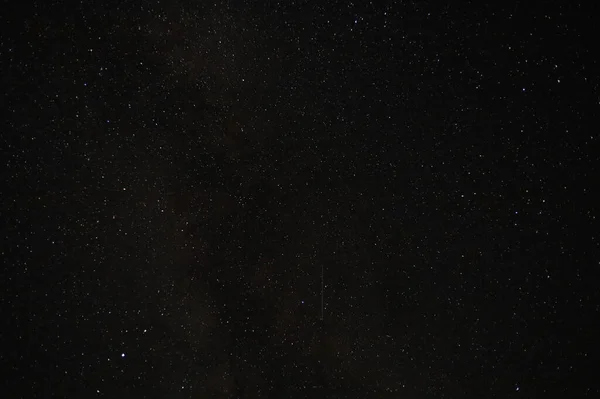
(299, 199)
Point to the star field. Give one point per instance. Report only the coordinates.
(299, 199)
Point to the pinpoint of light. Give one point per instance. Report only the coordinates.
(517, 388)
(122, 354)
(302, 302)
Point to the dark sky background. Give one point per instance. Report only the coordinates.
(177, 174)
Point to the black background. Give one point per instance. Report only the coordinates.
(176, 175)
